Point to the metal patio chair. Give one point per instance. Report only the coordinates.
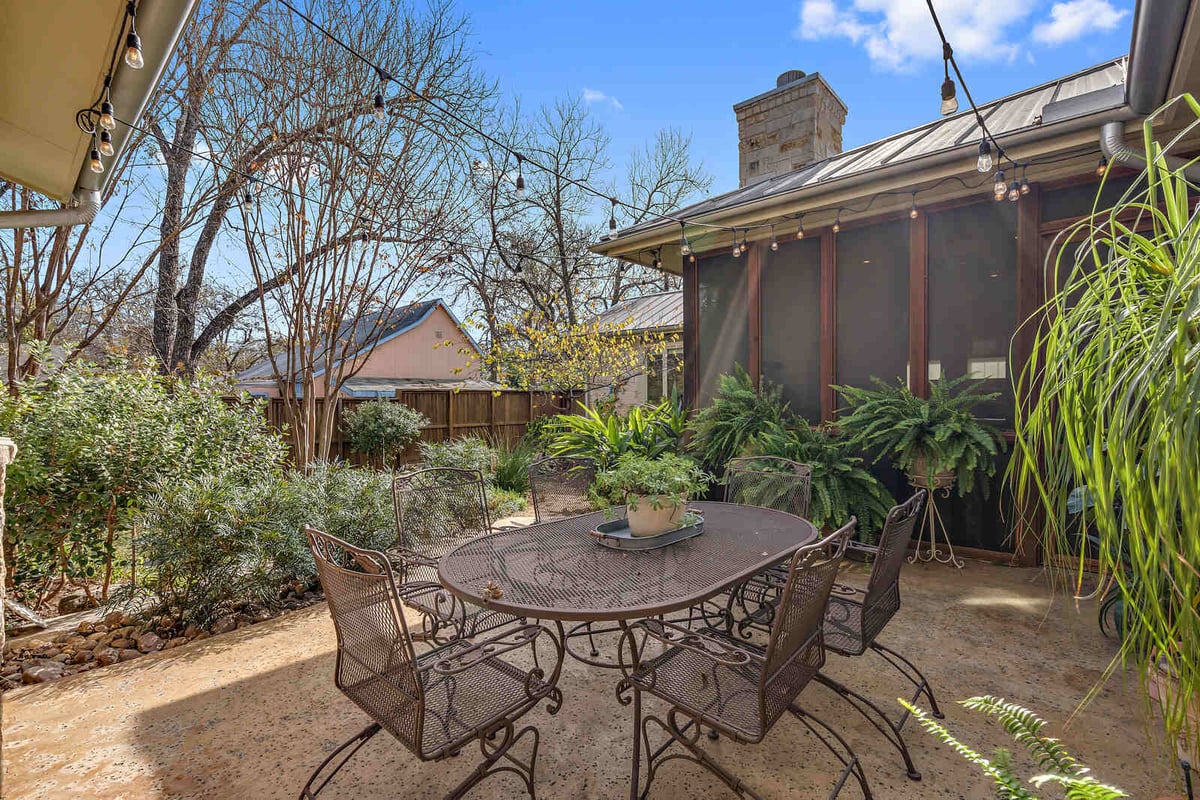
(437, 509)
(440, 701)
(855, 617)
(710, 678)
(767, 482)
(559, 486)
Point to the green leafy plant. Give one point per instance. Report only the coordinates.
(1113, 405)
(664, 481)
(469, 452)
(512, 465)
(604, 438)
(739, 412)
(925, 436)
(1059, 769)
(842, 486)
(94, 441)
(382, 429)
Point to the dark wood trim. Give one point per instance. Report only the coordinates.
(828, 323)
(918, 306)
(1030, 298)
(754, 311)
(691, 334)
(994, 556)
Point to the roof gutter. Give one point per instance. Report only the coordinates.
(1157, 34)
(160, 23)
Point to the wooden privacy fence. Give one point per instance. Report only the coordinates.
(496, 416)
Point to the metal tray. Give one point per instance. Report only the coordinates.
(615, 534)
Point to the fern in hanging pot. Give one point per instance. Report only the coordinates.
(936, 441)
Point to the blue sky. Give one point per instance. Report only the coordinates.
(650, 65)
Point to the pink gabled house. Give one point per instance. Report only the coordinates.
(419, 346)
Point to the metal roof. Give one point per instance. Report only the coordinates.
(646, 313)
(1020, 111)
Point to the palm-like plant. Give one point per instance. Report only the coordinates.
(925, 435)
(1114, 406)
(1060, 769)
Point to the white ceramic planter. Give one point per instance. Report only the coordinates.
(646, 520)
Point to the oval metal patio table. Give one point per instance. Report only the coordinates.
(557, 571)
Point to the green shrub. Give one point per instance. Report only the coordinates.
(841, 485)
(739, 412)
(504, 502)
(512, 466)
(382, 429)
(604, 438)
(469, 452)
(93, 442)
(211, 545)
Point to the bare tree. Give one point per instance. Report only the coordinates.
(370, 199)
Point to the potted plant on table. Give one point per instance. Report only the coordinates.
(936, 441)
(653, 490)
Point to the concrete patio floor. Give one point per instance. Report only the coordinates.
(250, 713)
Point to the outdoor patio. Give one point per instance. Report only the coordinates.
(249, 714)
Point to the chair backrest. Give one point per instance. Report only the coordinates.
(795, 649)
(769, 482)
(882, 599)
(560, 486)
(376, 663)
(438, 509)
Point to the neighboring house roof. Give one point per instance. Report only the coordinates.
(369, 332)
(393, 385)
(1081, 94)
(648, 312)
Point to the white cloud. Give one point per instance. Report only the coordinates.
(898, 34)
(1073, 19)
(596, 96)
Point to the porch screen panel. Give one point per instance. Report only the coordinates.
(791, 324)
(724, 322)
(872, 304)
(972, 295)
(1079, 200)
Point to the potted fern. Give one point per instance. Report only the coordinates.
(654, 491)
(936, 441)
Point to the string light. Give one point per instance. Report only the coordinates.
(133, 42)
(774, 242)
(999, 187)
(1014, 191)
(837, 222)
(1024, 182)
(96, 164)
(913, 213)
(106, 146)
(984, 163)
(685, 248)
(1102, 167)
(745, 246)
(380, 112)
(657, 260)
(800, 228)
(949, 101)
(737, 246)
(520, 177)
(612, 219)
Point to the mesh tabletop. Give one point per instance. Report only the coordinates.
(555, 570)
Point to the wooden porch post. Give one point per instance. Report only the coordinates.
(1030, 290)
(918, 306)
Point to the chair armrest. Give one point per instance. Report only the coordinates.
(847, 590)
(410, 558)
(719, 650)
(460, 659)
(860, 547)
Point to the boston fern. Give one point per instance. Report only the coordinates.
(739, 412)
(1058, 768)
(938, 433)
(841, 485)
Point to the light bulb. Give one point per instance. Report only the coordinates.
(1014, 192)
(737, 250)
(692, 258)
(1000, 186)
(1024, 185)
(106, 148)
(837, 225)
(97, 164)
(774, 244)
(1101, 167)
(612, 218)
(949, 101)
(133, 51)
(520, 193)
(107, 121)
(984, 164)
(685, 248)
(380, 112)
(913, 213)
(800, 231)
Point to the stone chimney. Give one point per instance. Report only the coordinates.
(796, 123)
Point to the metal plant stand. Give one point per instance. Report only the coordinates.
(932, 525)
